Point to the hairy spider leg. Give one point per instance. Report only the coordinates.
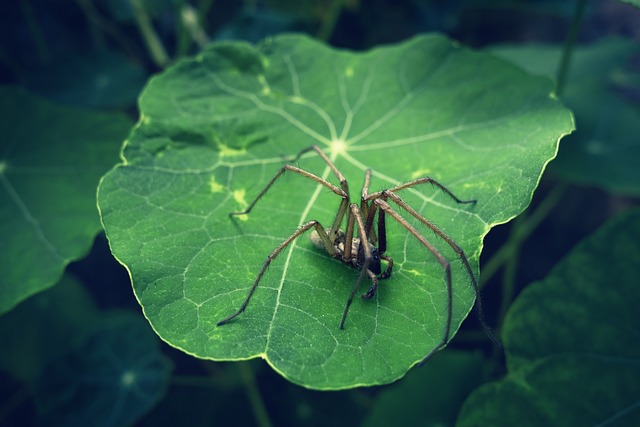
(328, 239)
(418, 181)
(380, 239)
(305, 227)
(343, 191)
(390, 194)
(335, 227)
(354, 217)
(463, 257)
(387, 209)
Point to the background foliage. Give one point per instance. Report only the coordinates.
(90, 59)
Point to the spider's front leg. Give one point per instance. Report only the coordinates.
(375, 279)
(378, 253)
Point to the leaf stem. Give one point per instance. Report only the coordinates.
(191, 22)
(330, 19)
(255, 399)
(204, 6)
(567, 50)
(113, 31)
(509, 274)
(149, 34)
(40, 41)
(522, 229)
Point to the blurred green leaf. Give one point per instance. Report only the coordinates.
(605, 149)
(216, 128)
(51, 159)
(571, 343)
(44, 327)
(117, 374)
(431, 395)
(635, 3)
(101, 79)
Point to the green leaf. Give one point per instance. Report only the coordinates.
(572, 348)
(51, 160)
(432, 394)
(116, 375)
(635, 3)
(216, 128)
(605, 149)
(101, 79)
(44, 327)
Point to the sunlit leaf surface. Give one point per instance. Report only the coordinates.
(216, 128)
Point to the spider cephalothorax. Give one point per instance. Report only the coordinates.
(358, 245)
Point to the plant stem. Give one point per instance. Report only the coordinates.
(330, 19)
(509, 275)
(40, 41)
(183, 41)
(192, 24)
(567, 50)
(255, 399)
(204, 6)
(523, 228)
(151, 38)
(113, 31)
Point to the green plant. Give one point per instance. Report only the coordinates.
(215, 126)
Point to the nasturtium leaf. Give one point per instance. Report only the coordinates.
(572, 349)
(101, 79)
(214, 130)
(431, 395)
(51, 160)
(635, 3)
(111, 379)
(605, 148)
(44, 327)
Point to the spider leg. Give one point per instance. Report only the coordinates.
(382, 245)
(339, 191)
(354, 216)
(364, 207)
(387, 272)
(384, 206)
(335, 226)
(457, 249)
(305, 227)
(332, 166)
(423, 180)
(374, 286)
(342, 191)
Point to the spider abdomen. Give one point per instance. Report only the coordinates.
(356, 259)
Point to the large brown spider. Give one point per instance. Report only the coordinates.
(360, 251)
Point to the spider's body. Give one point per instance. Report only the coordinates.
(358, 245)
(356, 260)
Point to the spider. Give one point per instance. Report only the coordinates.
(359, 246)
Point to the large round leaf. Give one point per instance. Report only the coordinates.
(217, 127)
